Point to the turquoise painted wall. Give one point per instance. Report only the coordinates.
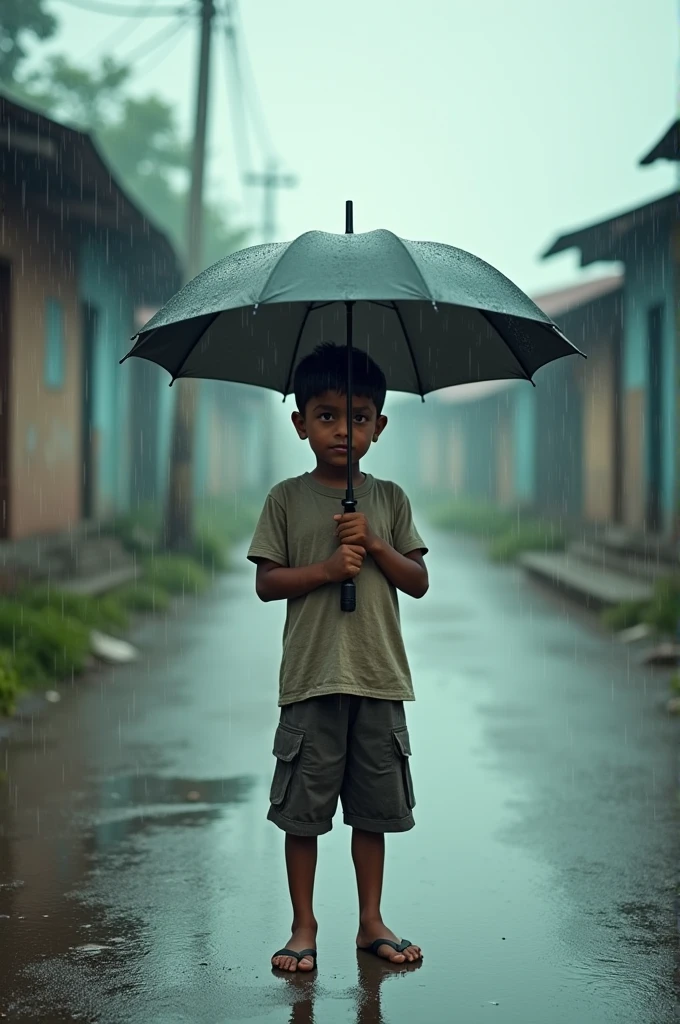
(649, 282)
(525, 442)
(102, 285)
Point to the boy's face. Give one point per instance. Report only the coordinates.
(324, 425)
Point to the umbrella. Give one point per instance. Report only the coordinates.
(431, 315)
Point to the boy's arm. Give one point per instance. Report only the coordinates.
(407, 573)
(274, 582)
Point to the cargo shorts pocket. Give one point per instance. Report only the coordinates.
(403, 745)
(287, 745)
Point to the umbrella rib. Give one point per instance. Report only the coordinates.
(308, 310)
(527, 375)
(203, 333)
(413, 261)
(410, 347)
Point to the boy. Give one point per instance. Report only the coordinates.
(344, 675)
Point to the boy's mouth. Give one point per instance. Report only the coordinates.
(339, 448)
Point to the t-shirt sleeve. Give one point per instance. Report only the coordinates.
(405, 537)
(270, 537)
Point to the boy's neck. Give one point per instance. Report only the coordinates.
(330, 476)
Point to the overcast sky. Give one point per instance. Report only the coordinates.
(483, 124)
(488, 125)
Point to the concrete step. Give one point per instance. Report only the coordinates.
(583, 581)
(605, 557)
(654, 550)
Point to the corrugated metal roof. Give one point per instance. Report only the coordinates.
(566, 299)
(601, 241)
(553, 303)
(61, 166)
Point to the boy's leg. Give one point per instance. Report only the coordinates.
(377, 797)
(368, 854)
(309, 745)
(301, 854)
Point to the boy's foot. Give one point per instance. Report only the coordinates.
(302, 938)
(369, 931)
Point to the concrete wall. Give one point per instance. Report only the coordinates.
(105, 287)
(649, 282)
(44, 427)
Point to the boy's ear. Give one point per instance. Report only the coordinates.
(298, 421)
(380, 425)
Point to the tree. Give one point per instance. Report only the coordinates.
(138, 137)
(19, 18)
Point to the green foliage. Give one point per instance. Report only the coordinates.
(58, 644)
(139, 138)
(477, 518)
(18, 19)
(664, 611)
(104, 613)
(143, 597)
(10, 684)
(176, 574)
(211, 551)
(531, 536)
(624, 616)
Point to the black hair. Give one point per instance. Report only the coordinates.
(325, 369)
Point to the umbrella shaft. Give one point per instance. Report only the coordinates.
(349, 502)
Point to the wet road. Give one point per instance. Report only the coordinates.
(143, 883)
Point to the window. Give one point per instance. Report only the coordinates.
(54, 344)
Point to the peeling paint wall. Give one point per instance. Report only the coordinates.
(44, 453)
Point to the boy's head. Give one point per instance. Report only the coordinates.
(320, 385)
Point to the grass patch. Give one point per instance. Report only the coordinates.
(531, 536)
(664, 610)
(176, 575)
(142, 596)
(10, 683)
(103, 612)
(624, 616)
(47, 644)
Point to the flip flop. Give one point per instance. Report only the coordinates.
(298, 956)
(375, 946)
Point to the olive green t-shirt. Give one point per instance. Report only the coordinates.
(326, 650)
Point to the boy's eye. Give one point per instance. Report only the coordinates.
(360, 416)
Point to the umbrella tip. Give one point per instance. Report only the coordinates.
(349, 217)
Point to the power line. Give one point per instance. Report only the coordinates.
(122, 31)
(149, 46)
(175, 35)
(118, 10)
(237, 110)
(250, 88)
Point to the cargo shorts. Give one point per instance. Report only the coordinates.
(341, 745)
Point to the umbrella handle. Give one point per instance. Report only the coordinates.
(348, 596)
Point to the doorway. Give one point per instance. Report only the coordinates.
(89, 323)
(654, 418)
(5, 348)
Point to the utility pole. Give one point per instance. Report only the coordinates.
(270, 182)
(179, 513)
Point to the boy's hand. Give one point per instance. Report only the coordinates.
(353, 528)
(344, 563)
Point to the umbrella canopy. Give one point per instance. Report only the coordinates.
(429, 314)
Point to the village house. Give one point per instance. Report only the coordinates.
(77, 257)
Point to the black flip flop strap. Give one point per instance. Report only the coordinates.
(398, 948)
(294, 953)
